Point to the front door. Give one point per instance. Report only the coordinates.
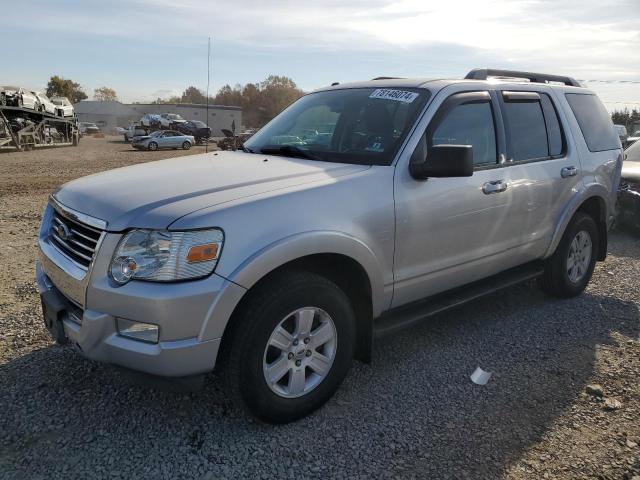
(452, 231)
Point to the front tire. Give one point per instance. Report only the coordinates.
(186, 145)
(290, 346)
(153, 146)
(568, 271)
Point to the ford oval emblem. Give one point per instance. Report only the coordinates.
(63, 231)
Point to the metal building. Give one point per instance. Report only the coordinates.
(109, 115)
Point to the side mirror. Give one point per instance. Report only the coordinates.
(444, 161)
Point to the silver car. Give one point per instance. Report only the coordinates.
(162, 139)
(280, 263)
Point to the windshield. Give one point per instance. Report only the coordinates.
(174, 116)
(360, 125)
(156, 133)
(199, 124)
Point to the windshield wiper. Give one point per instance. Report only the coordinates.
(245, 149)
(290, 151)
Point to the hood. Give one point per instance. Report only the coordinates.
(155, 194)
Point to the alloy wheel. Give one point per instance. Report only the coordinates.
(300, 352)
(579, 257)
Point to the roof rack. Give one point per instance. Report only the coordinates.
(484, 73)
(387, 78)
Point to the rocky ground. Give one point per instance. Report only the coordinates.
(563, 401)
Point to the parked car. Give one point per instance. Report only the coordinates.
(633, 138)
(162, 139)
(233, 142)
(621, 130)
(134, 130)
(280, 263)
(151, 120)
(88, 128)
(170, 120)
(19, 123)
(44, 104)
(196, 128)
(52, 135)
(629, 192)
(64, 108)
(18, 97)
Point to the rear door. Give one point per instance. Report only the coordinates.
(176, 139)
(543, 167)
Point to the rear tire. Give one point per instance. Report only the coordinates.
(289, 301)
(568, 271)
(186, 145)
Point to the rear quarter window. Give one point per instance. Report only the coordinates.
(594, 121)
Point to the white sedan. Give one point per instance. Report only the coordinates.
(18, 97)
(64, 107)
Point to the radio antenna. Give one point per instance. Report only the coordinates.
(206, 147)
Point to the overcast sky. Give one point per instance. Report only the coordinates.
(156, 48)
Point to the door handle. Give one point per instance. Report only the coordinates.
(496, 186)
(568, 172)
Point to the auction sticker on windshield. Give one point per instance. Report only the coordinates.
(397, 95)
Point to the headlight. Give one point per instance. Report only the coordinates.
(164, 256)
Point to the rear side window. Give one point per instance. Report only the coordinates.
(554, 130)
(527, 130)
(595, 123)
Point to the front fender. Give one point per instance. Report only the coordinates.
(264, 261)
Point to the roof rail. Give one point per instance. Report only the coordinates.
(387, 78)
(484, 73)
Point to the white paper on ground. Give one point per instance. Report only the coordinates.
(480, 377)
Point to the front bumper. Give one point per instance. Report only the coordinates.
(191, 316)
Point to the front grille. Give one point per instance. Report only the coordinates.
(76, 240)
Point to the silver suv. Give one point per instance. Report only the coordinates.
(361, 209)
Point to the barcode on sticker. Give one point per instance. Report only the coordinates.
(397, 95)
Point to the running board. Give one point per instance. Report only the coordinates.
(405, 316)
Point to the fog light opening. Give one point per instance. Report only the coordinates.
(143, 332)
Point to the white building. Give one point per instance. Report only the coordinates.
(109, 115)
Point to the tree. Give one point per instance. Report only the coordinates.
(626, 118)
(64, 87)
(262, 101)
(193, 95)
(105, 94)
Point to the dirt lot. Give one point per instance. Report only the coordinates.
(412, 413)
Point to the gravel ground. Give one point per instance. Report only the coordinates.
(412, 413)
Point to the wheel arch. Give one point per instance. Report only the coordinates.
(594, 204)
(353, 268)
